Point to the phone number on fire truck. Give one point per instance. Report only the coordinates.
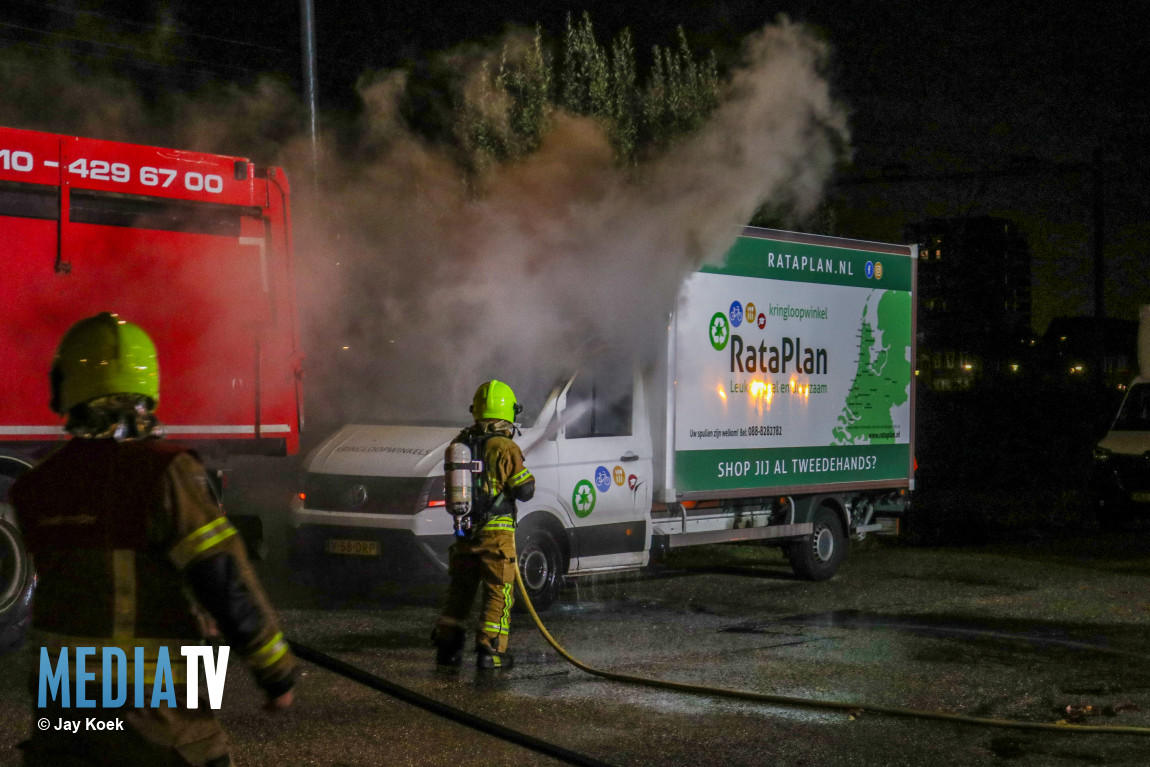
(118, 172)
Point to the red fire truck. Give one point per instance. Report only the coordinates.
(196, 248)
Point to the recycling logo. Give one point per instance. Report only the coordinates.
(583, 498)
(720, 331)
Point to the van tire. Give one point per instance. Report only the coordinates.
(541, 565)
(816, 557)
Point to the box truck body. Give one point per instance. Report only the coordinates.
(781, 410)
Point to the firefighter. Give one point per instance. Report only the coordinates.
(484, 552)
(132, 551)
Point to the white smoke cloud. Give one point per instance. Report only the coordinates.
(515, 276)
(436, 281)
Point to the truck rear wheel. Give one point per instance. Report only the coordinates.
(14, 568)
(541, 566)
(816, 557)
(17, 580)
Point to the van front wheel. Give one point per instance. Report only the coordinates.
(540, 566)
(816, 557)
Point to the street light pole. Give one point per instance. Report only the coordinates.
(1099, 235)
(307, 41)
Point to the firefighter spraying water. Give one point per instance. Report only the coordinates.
(485, 476)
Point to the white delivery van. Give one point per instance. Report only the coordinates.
(782, 411)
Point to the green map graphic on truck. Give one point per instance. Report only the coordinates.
(881, 380)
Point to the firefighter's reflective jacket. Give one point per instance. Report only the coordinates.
(504, 479)
(131, 549)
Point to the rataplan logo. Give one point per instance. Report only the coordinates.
(775, 359)
(110, 668)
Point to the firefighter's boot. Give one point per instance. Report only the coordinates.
(448, 641)
(488, 659)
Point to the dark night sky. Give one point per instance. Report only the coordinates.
(932, 88)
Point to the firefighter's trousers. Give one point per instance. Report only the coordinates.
(487, 557)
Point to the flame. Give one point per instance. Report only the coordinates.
(758, 393)
(756, 390)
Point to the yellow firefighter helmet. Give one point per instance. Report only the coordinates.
(103, 355)
(494, 399)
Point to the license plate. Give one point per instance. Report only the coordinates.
(1140, 497)
(353, 548)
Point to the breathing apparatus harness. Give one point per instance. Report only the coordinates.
(469, 500)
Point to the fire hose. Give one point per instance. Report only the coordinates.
(348, 671)
(797, 702)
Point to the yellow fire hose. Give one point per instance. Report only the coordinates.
(788, 700)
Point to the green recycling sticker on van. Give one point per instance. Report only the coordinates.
(583, 498)
(720, 331)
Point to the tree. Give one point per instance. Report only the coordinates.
(501, 115)
(502, 109)
(586, 75)
(626, 106)
(680, 95)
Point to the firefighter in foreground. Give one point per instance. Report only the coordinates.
(132, 551)
(485, 476)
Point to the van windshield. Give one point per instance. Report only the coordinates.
(1135, 412)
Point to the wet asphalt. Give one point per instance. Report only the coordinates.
(1045, 630)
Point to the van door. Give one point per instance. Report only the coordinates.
(604, 467)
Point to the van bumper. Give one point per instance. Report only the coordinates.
(371, 552)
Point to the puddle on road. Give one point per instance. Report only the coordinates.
(585, 607)
(946, 627)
